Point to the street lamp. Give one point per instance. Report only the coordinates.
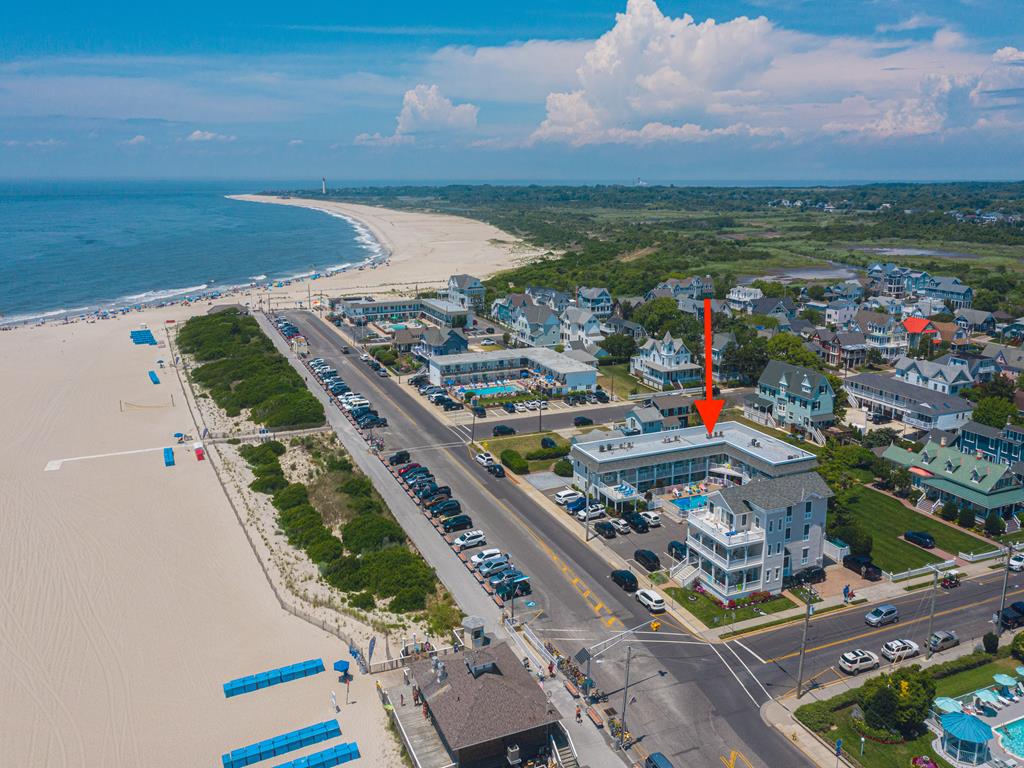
(810, 595)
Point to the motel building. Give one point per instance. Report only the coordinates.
(754, 508)
(534, 368)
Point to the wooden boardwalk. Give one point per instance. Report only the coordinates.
(418, 732)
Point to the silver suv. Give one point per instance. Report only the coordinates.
(882, 615)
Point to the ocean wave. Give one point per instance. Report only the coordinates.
(257, 278)
(364, 235)
(147, 296)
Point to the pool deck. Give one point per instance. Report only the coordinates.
(1002, 717)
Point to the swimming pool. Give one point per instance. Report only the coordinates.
(494, 389)
(689, 503)
(1011, 736)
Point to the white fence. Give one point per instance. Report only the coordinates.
(944, 565)
(977, 557)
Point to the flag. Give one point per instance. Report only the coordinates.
(369, 651)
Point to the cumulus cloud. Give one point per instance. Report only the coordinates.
(135, 140)
(425, 110)
(654, 78)
(198, 135)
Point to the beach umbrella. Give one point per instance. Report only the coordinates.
(341, 666)
(988, 696)
(1020, 671)
(947, 705)
(1005, 680)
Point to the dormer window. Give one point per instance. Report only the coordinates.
(925, 456)
(949, 465)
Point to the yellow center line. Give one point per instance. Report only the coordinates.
(879, 630)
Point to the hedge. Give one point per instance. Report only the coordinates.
(549, 453)
(366, 533)
(515, 462)
(563, 468)
(290, 496)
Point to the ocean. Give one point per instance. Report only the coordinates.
(71, 247)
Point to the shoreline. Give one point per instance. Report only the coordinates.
(408, 251)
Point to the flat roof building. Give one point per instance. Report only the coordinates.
(559, 373)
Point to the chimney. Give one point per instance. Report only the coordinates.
(942, 441)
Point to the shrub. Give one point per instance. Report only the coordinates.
(265, 470)
(994, 524)
(515, 462)
(563, 468)
(274, 446)
(990, 640)
(880, 707)
(290, 496)
(409, 599)
(269, 484)
(548, 453)
(339, 463)
(326, 550)
(363, 601)
(366, 533)
(357, 485)
(949, 512)
(965, 518)
(1017, 646)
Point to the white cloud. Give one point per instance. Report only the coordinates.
(45, 143)
(425, 110)
(295, 143)
(655, 78)
(198, 135)
(135, 140)
(916, 21)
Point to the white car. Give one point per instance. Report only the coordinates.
(653, 518)
(531, 405)
(650, 600)
(897, 650)
(855, 662)
(358, 402)
(564, 497)
(542, 404)
(484, 555)
(470, 539)
(484, 459)
(520, 408)
(488, 343)
(364, 357)
(593, 512)
(1016, 562)
(621, 526)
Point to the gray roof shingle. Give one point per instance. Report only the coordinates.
(776, 493)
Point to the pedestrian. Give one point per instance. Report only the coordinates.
(424, 710)
(579, 714)
(551, 669)
(402, 698)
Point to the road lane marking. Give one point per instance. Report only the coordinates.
(887, 628)
(734, 755)
(733, 673)
(749, 671)
(745, 648)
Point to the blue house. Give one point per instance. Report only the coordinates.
(597, 300)
(435, 341)
(791, 396)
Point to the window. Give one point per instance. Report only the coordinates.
(776, 574)
(807, 511)
(743, 521)
(807, 532)
(757, 521)
(788, 534)
(771, 525)
(789, 514)
(804, 555)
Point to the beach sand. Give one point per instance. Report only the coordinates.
(130, 593)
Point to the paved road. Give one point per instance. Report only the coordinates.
(694, 702)
(967, 610)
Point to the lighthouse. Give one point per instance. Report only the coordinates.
(323, 184)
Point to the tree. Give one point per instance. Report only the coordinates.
(816, 291)
(748, 360)
(994, 411)
(874, 357)
(994, 524)
(965, 518)
(990, 640)
(878, 438)
(1017, 646)
(912, 692)
(619, 345)
(902, 481)
(660, 316)
(789, 348)
(949, 511)
(880, 708)
(772, 290)
(505, 338)
(812, 316)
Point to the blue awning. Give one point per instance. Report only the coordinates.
(965, 728)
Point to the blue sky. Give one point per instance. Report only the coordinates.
(667, 91)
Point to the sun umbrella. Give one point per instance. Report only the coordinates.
(1005, 680)
(946, 704)
(988, 696)
(966, 728)
(341, 666)
(1020, 671)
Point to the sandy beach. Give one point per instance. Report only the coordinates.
(130, 591)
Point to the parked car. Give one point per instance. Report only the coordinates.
(399, 457)
(855, 662)
(575, 505)
(590, 512)
(485, 554)
(626, 580)
(862, 564)
(621, 526)
(604, 529)
(647, 559)
(941, 640)
(484, 459)
(497, 470)
(469, 539)
(547, 442)
(491, 567)
(897, 650)
(453, 406)
(650, 600)
(921, 538)
(436, 500)
(1016, 562)
(676, 549)
(501, 578)
(409, 468)
(446, 508)
(564, 497)
(882, 615)
(515, 587)
(601, 396)
(812, 574)
(479, 411)
(653, 518)
(657, 760)
(457, 523)
(636, 522)
(1011, 618)
(502, 430)
(508, 407)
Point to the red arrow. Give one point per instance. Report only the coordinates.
(708, 408)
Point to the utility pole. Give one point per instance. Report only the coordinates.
(803, 642)
(625, 694)
(931, 613)
(1002, 596)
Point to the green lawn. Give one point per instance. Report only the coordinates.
(881, 755)
(615, 379)
(524, 444)
(973, 679)
(886, 519)
(713, 616)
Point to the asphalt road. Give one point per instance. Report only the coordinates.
(694, 702)
(967, 610)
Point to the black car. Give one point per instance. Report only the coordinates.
(604, 529)
(676, 549)
(582, 421)
(547, 442)
(1011, 618)
(479, 411)
(636, 522)
(514, 588)
(647, 559)
(626, 580)
(453, 406)
(398, 457)
(501, 430)
(601, 395)
(812, 574)
(862, 564)
(508, 407)
(921, 538)
(457, 523)
(496, 469)
(446, 508)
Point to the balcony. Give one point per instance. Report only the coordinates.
(723, 534)
(727, 564)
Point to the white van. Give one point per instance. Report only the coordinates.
(564, 497)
